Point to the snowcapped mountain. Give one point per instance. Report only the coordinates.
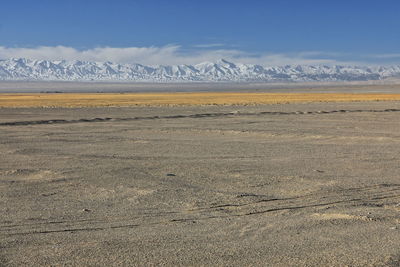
(222, 70)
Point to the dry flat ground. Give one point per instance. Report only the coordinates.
(313, 184)
(179, 99)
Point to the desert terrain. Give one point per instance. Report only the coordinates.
(306, 183)
(71, 100)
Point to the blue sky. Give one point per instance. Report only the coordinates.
(178, 31)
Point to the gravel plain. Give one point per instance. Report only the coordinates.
(314, 184)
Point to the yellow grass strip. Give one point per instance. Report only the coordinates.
(177, 99)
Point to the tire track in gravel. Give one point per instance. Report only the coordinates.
(377, 195)
(194, 116)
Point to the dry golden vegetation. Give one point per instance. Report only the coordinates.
(177, 99)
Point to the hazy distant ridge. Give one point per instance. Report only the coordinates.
(222, 70)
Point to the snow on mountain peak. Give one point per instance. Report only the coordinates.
(221, 70)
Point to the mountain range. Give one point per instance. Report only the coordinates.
(220, 71)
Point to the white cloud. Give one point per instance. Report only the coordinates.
(166, 55)
(146, 55)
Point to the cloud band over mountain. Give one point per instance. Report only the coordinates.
(167, 55)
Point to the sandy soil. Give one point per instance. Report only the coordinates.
(271, 185)
(72, 100)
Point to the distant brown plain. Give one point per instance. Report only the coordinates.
(180, 99)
